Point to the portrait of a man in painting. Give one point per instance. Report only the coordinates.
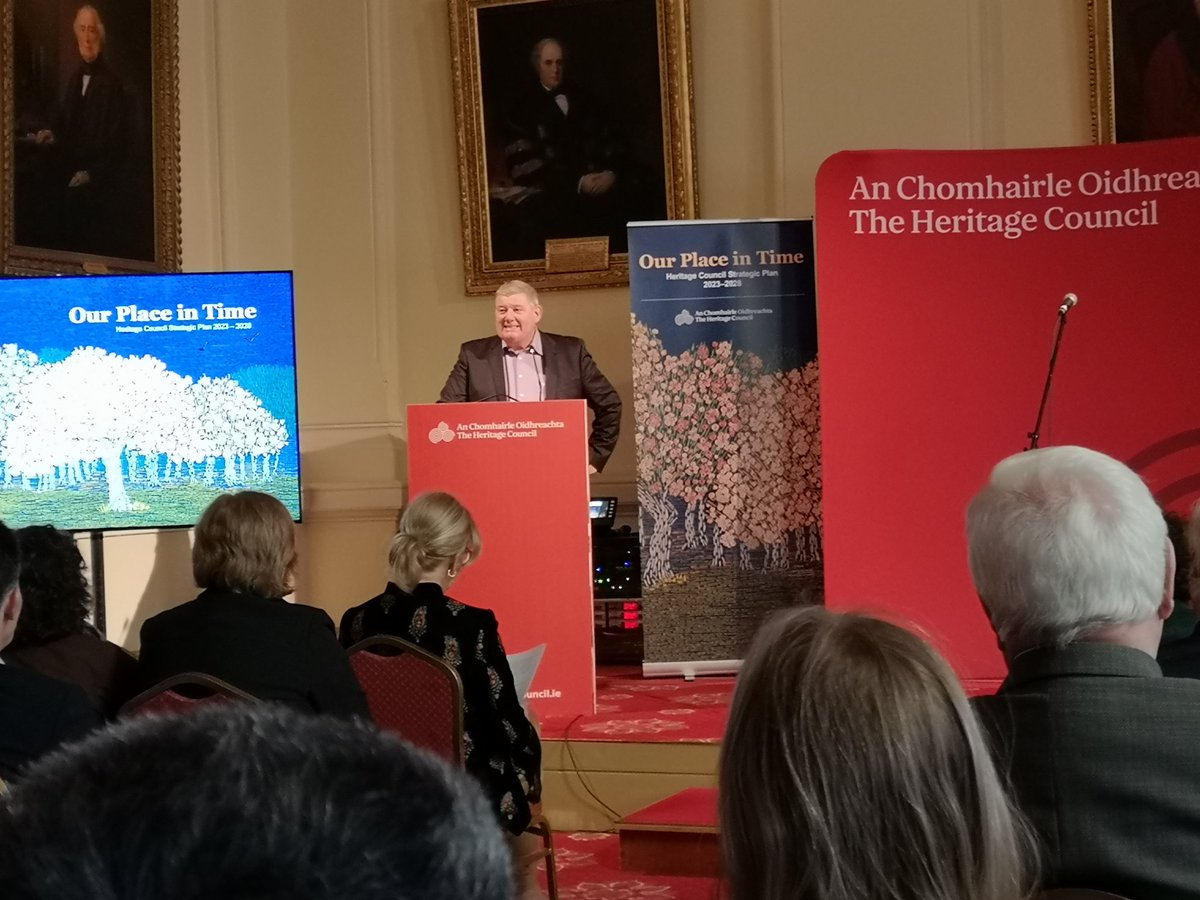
(573, 122)
(83, 164)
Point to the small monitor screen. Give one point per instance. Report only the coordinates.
(131, 401)
(602, 510)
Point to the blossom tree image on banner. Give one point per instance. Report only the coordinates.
(727, 413)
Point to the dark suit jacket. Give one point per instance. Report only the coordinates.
(1102, 753)
(268, 647)
(36, 715)
(94, 127)
(502, 749)
(550, 149)
(571, 374)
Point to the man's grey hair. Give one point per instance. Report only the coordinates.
(99, 20)
(1063, 540)
(515, 287)
(535, 55)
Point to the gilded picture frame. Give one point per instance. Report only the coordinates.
(90, 147)
(573, 118)
(1144, 59)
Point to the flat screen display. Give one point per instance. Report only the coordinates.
(602, 510)
(131, 401)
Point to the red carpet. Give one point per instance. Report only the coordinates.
(589, 869)
(652, 710)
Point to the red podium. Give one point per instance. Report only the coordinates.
(521, 468)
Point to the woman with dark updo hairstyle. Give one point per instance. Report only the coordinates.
(436, 540)
(54, 635)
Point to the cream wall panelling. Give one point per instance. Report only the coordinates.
(200, 141)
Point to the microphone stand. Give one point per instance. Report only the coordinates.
(1062, 324)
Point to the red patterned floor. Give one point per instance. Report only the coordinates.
(654, 710)
(589, 869)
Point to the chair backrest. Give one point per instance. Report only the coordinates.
(412, 693)
(182, 693)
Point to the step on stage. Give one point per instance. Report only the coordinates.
(628, 765)
(590, 868)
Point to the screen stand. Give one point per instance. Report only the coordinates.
(97, 570)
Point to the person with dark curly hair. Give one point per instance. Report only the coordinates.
(54, 636)
(37, 714)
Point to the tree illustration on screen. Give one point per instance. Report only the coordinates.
(16, 368)
(133, 417)
(235, 427)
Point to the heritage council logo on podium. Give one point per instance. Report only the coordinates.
(493, 431)
(441, 433)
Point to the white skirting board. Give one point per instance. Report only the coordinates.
(689, 670)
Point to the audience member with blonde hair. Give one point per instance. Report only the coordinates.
(853, 768)
(240, 629)
(436, 540)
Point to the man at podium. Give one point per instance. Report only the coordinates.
(526, 364)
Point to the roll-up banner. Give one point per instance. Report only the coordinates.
(942, 277)
(727, 412)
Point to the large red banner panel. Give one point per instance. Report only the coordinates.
(522, 471)
(940, 276)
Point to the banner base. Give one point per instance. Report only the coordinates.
(689, 670)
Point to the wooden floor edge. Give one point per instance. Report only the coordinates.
(585, 741)
(673, 829)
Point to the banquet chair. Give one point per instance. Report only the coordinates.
(412, 693)
(183, 693)
(419, 697)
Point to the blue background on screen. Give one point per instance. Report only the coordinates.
(259, 353)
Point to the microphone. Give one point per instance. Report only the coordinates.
(493, 397)
(540, 367)
(1034, 436)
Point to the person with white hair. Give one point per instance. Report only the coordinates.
(1070, 557)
